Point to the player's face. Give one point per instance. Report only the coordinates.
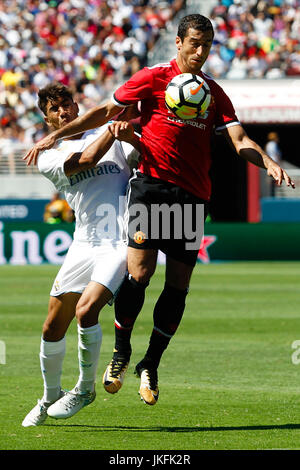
(60, 112)
(193, 50)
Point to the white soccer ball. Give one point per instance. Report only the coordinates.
(187, 96)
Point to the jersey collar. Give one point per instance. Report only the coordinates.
(175, 66)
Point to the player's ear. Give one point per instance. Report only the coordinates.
(178, 43)
(46, 121)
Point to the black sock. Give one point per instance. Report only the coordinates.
(128, 305)
(167, 315)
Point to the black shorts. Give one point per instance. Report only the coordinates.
(163, 216)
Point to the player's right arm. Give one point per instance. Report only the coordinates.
(57, 165)
(95, 117)
(124, 131)
(87, 159)
(80, 161)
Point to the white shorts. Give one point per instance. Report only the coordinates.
(85, 262)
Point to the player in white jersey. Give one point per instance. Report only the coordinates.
(92, 171)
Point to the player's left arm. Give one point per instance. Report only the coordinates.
(253, 153)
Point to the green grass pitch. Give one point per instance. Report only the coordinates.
(227, 380)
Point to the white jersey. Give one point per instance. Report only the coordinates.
(97, 195)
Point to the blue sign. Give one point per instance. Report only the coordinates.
(22, 210)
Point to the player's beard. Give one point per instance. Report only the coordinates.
(195, 65)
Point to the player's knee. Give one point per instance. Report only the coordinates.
(52, 330)
(142, 274)
(47, 329)
(81, 312)
(142, 265)
(84, 310)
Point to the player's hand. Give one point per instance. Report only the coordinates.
(122, 130)
(279, 175)
(44, 144)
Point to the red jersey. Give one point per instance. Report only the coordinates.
(175, 150)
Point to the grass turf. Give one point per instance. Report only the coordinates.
(227, 380)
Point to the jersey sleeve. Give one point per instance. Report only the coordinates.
(225, 116)
(51, 165)
(132, 155)
(137, 88)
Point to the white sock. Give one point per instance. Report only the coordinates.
(89, 344)
(52, 354)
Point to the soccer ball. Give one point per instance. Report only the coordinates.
(187, 96)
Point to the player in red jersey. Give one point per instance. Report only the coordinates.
(171, 147)
(173, 171)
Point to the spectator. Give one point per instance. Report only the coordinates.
(58, 210)
(272, 147)
(238, 69)
(257, 65)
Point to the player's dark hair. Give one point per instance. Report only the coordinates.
(51, 93)
(195, 21)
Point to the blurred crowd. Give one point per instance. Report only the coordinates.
(255, 39)
(89, 45)
(93, 45)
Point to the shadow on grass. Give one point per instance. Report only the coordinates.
(176, 429)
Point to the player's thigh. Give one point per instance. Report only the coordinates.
(109, 266)
(178, 274)
(61, 311)
(76, 270)
(141, 263)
